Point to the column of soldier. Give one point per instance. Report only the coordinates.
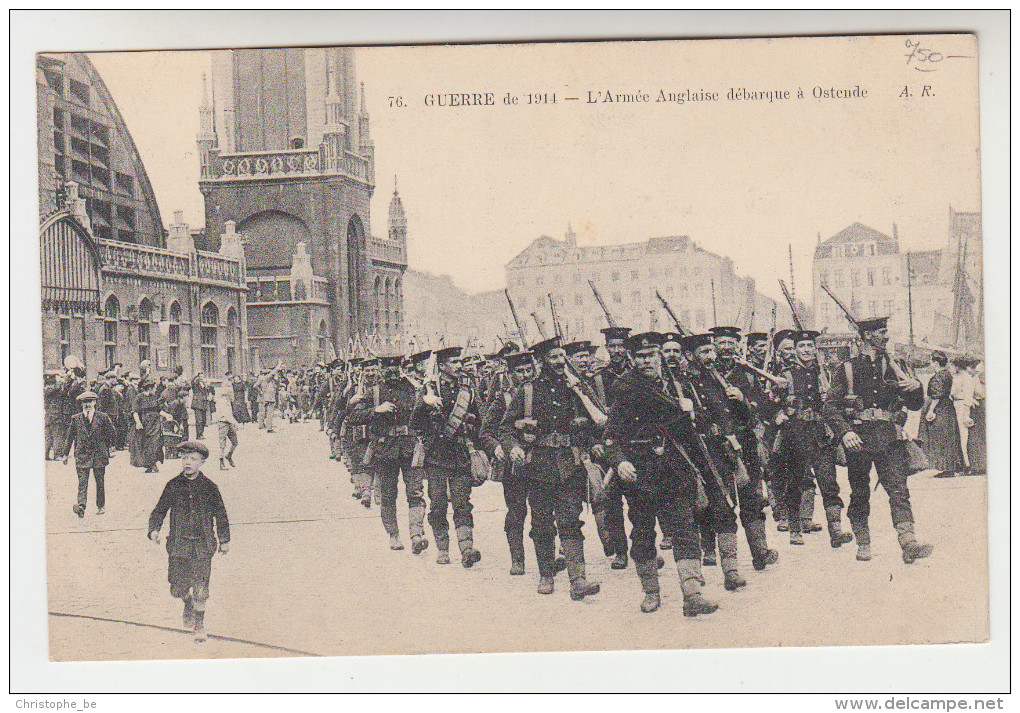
(698, 433)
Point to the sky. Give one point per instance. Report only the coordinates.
(742, 178)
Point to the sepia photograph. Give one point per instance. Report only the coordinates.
(359, 350)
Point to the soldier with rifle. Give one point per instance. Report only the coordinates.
(652, 446)
(807, 443)
(866, 393)
(515, 492)
(542, 424)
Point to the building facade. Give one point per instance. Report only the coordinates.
(702, 288)
(439, 310)
(286, 154)
(117, 287)
(932, 297)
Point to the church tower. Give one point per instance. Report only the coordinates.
(206, 138)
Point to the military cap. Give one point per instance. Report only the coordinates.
(546, 346)
(575, 347)
(391, 360)
(755, 337)
(517, 359)
(616, 332)
(88, 396)
(733, 332)
(419, 357)
(645, 340)
(693, 341)
(370, 361)
(448, 353)
(333, 364)
(492, 356)
(672, 337)
(784, 334)
(194, 447)
(508, 348)
(873, 324)
(807, 335)
(356, 361)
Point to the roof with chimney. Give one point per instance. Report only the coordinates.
(857, 237)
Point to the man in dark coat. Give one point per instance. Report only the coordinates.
(198, 528)
(92, 435)
(449, 421)
(201, 394)
(395, 450)
(52, 403)
(866, 393)
(541, 425)
(651, 443)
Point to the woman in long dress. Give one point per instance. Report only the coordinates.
(963, 401)
(977, 455)
(240, 402)
(134, 438)
(148, 427)
(939, 432)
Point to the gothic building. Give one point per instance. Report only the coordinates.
(286, 154)
(117, 287)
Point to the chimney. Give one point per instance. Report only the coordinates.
(180, 240)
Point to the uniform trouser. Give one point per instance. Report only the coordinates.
(266, 409)
(389, 471)
(672, 505)
(515, 495)
(228, 435)
(806, 466)
(52, 440)
(555, 507)
(609, 521)
(891, 466)
(752, 502)
(200, 420)
(83, 485)
(448, 487)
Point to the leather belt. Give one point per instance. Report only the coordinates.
(399, 431)
(808, 414)
(554, 440)
(874, 414)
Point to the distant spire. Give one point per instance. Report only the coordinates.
(819, 237)
(364, 107)
(205, 90)
(394, 175)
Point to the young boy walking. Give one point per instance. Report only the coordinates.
(198, 527)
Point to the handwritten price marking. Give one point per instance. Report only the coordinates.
(926, 56)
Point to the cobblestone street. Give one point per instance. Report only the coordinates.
(309, 572)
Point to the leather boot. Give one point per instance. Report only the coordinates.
(648, 573)
(837, 538)
(863, 536)
(780, 516)
(465, 540)
(188, 619)
(796, 538)
(807, 512)
(443, 557)
(728, 558)
(223, 465)
(580, 587)
(545, 552)
(912, 549)
(546, 585)
(761, 555)
(690, 584)
(708, 545)
(395, 543)
(200, 636)
(515, 540)
(619, 561)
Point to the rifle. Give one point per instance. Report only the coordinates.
(541, 327)
(770, 347)
(602, 304)
(900, 374)
(517, 321)
(672, 315)
(797, 324)
(585, 387)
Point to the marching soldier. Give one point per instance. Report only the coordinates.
(515, 491)
(756, 400)
(541, 424)
(778, 469)
(861, 405)
(448, 419)
(718, 406)
(395, 449)
(649, 437)
(808, 444)
(359, 437)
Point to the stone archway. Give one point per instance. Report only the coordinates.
(356, 278)
(272, 237)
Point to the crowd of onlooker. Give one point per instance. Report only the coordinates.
(952, 426)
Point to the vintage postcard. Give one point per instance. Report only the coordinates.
(570, 346)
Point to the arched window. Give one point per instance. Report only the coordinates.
(232, 339)
(174, 336)
(144, 329)
(378, 304)
(111, 315)
(210, 326)
(323, 339)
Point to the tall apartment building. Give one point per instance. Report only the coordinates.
(702, 287)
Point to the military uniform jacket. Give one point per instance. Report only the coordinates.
(559, 424)
(637, 430)
(92, 440)
(392, 437)
(198, 518)
(719, 415)
(874, 387)
(495, 410)
(52, 403)
(441, 450)
(805, 428)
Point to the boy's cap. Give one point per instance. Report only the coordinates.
(194, 447)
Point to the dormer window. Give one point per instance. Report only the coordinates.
(298, 142)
